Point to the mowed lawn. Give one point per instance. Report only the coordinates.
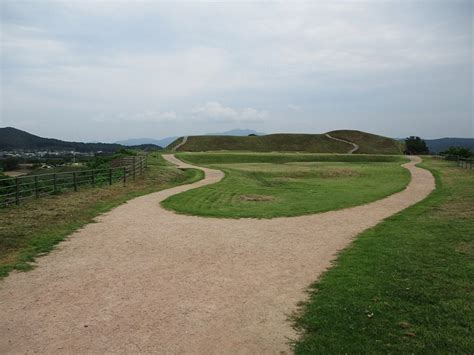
(272, 185)
(405, 286)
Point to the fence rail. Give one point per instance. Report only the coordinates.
(466, 163)
(15, 190)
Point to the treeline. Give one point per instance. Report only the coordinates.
(416, 145)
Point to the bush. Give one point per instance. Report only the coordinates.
(459, 151)
(10, 164)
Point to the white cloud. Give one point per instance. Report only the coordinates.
(146, 116)
(146, 61)
(215, 111)
(29, 46)
(154, 117)
(294, 107)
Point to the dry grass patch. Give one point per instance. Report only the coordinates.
(256, 198)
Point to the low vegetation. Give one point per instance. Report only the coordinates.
(29, 230)
(288, 184)
(313, 143)
(458, 152)
(404, 286)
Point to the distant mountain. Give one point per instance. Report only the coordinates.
(441, 144)
(139, 141)
(13, 139)
(236, 132)
(164, 142)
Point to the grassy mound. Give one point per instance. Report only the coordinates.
(370, 143)
(311, 143)
(317, 143)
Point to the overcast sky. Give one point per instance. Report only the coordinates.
(103, 71)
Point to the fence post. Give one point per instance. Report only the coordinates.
(74, 180)
(54, 183)
(36, 187)
(124, 175)
(17, 191)
(93, 177)
(134, 167)
(110, 176)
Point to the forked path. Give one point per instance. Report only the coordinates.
(144, 279)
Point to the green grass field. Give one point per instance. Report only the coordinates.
(405, 286)
(289, 184)
(33, 228)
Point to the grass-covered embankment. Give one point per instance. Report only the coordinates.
(404, 286)
(273, 185)
(370, 143)
(317, 143)
(33, 228)
(291, 142)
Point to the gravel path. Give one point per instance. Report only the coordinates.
(144, 279)
(354, 148)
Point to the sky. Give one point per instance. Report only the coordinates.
(112, 70)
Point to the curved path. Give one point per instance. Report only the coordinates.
(179, 145)
(355, 147)
(144, 279)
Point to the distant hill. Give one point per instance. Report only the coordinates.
(315, 143)
(441, 144)
(14, 139)
(139, 141)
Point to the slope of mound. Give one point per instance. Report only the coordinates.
(316, 143)
(313, 143)
(369, 143)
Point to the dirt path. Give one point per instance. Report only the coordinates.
(355, 147)
(183, 142)
(144, 279)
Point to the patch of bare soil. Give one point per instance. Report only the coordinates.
(146, 280)
(256, 198)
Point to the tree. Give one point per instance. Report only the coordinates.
(416, 145)
(10, 163)
(459, 151)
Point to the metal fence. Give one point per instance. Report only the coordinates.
(15, 190)
(462, 162)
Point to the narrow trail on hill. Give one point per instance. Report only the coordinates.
(355, 146)
(183, 142)
(143, 279)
